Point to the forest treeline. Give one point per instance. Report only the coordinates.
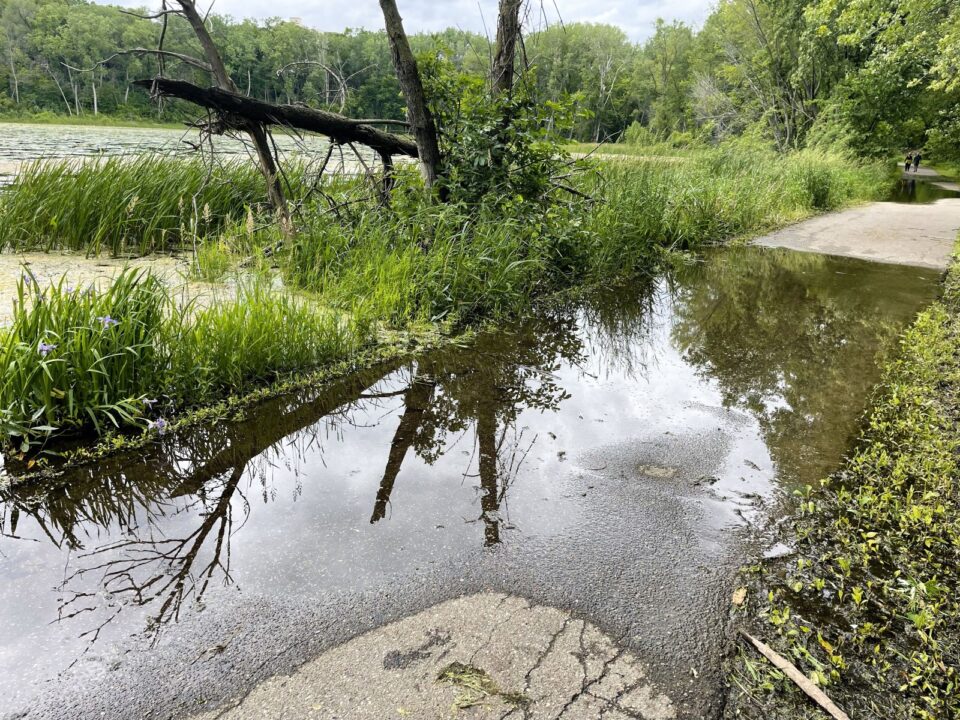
(871, 75)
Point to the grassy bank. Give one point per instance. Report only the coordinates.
(358, 268)
(129, 355)
(869, 603)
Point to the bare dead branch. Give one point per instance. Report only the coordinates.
(187, 59)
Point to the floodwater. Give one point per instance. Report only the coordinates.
(22, 143)
(609, 455)
(914, 190)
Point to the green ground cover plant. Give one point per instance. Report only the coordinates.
(868, 606)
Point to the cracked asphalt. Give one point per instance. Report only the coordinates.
(510, 659)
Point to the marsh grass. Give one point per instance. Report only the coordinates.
(79, 356)
(368, 266)
(125, 205)
(427, 262)
(79, 359)
(213, 260)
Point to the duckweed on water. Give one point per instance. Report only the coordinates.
(869, 605)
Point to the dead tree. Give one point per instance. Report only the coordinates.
(421, 120)
(504, 58)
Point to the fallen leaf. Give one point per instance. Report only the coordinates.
(739, 595)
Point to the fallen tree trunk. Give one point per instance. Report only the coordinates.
(337, 127)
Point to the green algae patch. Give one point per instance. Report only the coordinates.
(476, 687)
(868, 604)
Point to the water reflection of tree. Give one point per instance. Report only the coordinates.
(483, 390)
(196, 475)
(792, 338)
(195, 480)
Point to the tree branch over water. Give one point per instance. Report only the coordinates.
(338, 128)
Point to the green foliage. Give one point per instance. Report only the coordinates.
(76, 356)
(419, 261)
(102, 359)
(250, 339)
(212, 260)
(413, 262)
(870, 602)
(871, 74)
(122, 205)
(498, 149)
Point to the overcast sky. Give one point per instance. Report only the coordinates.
(636, 17)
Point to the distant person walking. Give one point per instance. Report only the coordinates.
(916, 161)
(908, 161)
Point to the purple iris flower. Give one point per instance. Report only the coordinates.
(160, 425)
(46, 349)
(108, 321)
(148, 403)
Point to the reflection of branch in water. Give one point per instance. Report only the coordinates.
(417, 399)
(197, 474)
(160, 570)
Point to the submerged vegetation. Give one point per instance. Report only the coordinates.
(867, 605)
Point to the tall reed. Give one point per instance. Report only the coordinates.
(83, 358)
(125, 205)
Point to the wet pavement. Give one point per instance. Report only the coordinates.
(610, 463)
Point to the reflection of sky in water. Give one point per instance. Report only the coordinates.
(739, 362)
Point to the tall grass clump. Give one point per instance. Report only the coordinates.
(258, 336)
(422, 261)
(76, 357)
(717, 194)
(77, 360)
(125, 205)
(427, 264)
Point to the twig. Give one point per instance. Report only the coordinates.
(791, 671)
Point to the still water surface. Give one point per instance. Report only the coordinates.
(727, 382)
(21, 143)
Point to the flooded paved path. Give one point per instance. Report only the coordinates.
(596, 474)
(906, 233)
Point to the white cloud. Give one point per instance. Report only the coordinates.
(636, 17)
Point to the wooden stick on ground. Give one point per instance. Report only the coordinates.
(791, 671)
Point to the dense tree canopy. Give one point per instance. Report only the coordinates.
(874, 75)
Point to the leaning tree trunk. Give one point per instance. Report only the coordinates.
(508, 32)
(421, 120)
(257, 132)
